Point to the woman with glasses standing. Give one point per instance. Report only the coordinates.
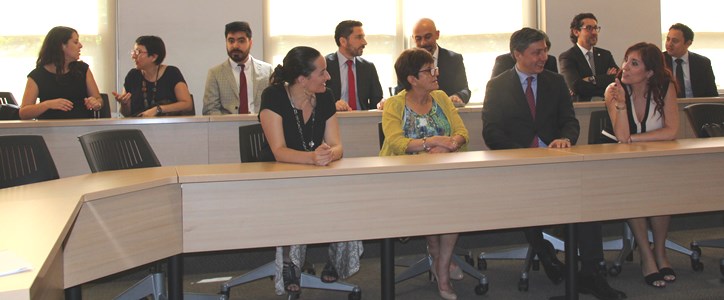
(64, 84)
(423, 120)
(153, 89)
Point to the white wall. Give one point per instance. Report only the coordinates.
(623, 22)
(192, 30)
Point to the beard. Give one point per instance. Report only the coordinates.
(237, 55)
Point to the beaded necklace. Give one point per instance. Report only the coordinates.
(308, 146)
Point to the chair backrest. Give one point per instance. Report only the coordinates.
(117, 150)
(251, 140)
(599, 121)
(700, 114)
(105, 111)
(7, 98)
(713, 129)
(380, 134)
(9, 112)
(25, 159)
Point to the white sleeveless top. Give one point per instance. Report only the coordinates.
(652, 119)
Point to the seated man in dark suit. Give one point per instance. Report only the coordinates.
(588, 70)
(354, 80)
(693, 73)
(529, 107)
(506, 61)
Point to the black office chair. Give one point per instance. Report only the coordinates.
(119, 150)
(251, 140)
(600, 122)
(707, 120)
(701, 114)
(7, 98)
(9, 112)
(424, 264)
(105, 111)
(25, 159)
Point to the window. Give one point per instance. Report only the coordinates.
(478, 34)
(708, 34)
(19, 45)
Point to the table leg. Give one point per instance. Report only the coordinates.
(387, 264)
(571, 249)
(175, 277)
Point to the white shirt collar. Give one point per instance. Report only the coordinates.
(235, 65)
(584, 50)
(343, 60)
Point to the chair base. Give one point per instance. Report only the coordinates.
(306, 281)
(523, 253)
(627, 244)
(423, 265)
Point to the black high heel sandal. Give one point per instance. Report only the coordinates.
(289, 276)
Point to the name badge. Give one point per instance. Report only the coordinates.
(422, 121)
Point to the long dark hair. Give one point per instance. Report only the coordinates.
(51, 52)
(661, 77)
(298, 62)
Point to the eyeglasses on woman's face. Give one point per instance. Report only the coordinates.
(433, 71)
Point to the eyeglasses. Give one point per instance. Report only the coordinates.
(433, 71)
(137, 52)
(590, 28)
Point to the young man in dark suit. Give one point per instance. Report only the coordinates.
(588, 70)
(529, 107)
(697, 77)
(354, 80)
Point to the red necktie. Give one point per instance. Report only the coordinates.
(243, 96)
(531, 105)
(351, 91)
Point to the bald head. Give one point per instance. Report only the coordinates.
(425, 35)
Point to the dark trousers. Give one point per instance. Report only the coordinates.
(590, 244)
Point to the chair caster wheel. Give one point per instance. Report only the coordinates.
(695, 248)
(355, 295)
(523, 284)
(482, 264)
(481, 289)
(614, 270)
(696, 265)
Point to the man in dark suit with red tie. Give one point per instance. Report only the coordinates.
(529, 107)
(693, 72)
(588, 70)
(353, 80)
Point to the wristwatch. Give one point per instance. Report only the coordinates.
(158, 110)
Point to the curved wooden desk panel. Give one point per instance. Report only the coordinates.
(215, 139)
(132, 217)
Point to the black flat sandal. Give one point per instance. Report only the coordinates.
(329, 272)
(652, 278)
(289, 276)
(668, 272)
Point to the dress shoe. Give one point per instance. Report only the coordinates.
(554, 268)
(597, 286)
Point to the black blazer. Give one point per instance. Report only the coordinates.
(505, 62)
(703, 83)
(507, 122)
(574, 67)
(452, 79)
(369, 90)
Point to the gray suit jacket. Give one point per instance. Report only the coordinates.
(221, 95)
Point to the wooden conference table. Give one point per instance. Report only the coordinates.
(77, 229)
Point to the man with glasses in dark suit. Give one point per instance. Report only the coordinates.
(588, 70)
